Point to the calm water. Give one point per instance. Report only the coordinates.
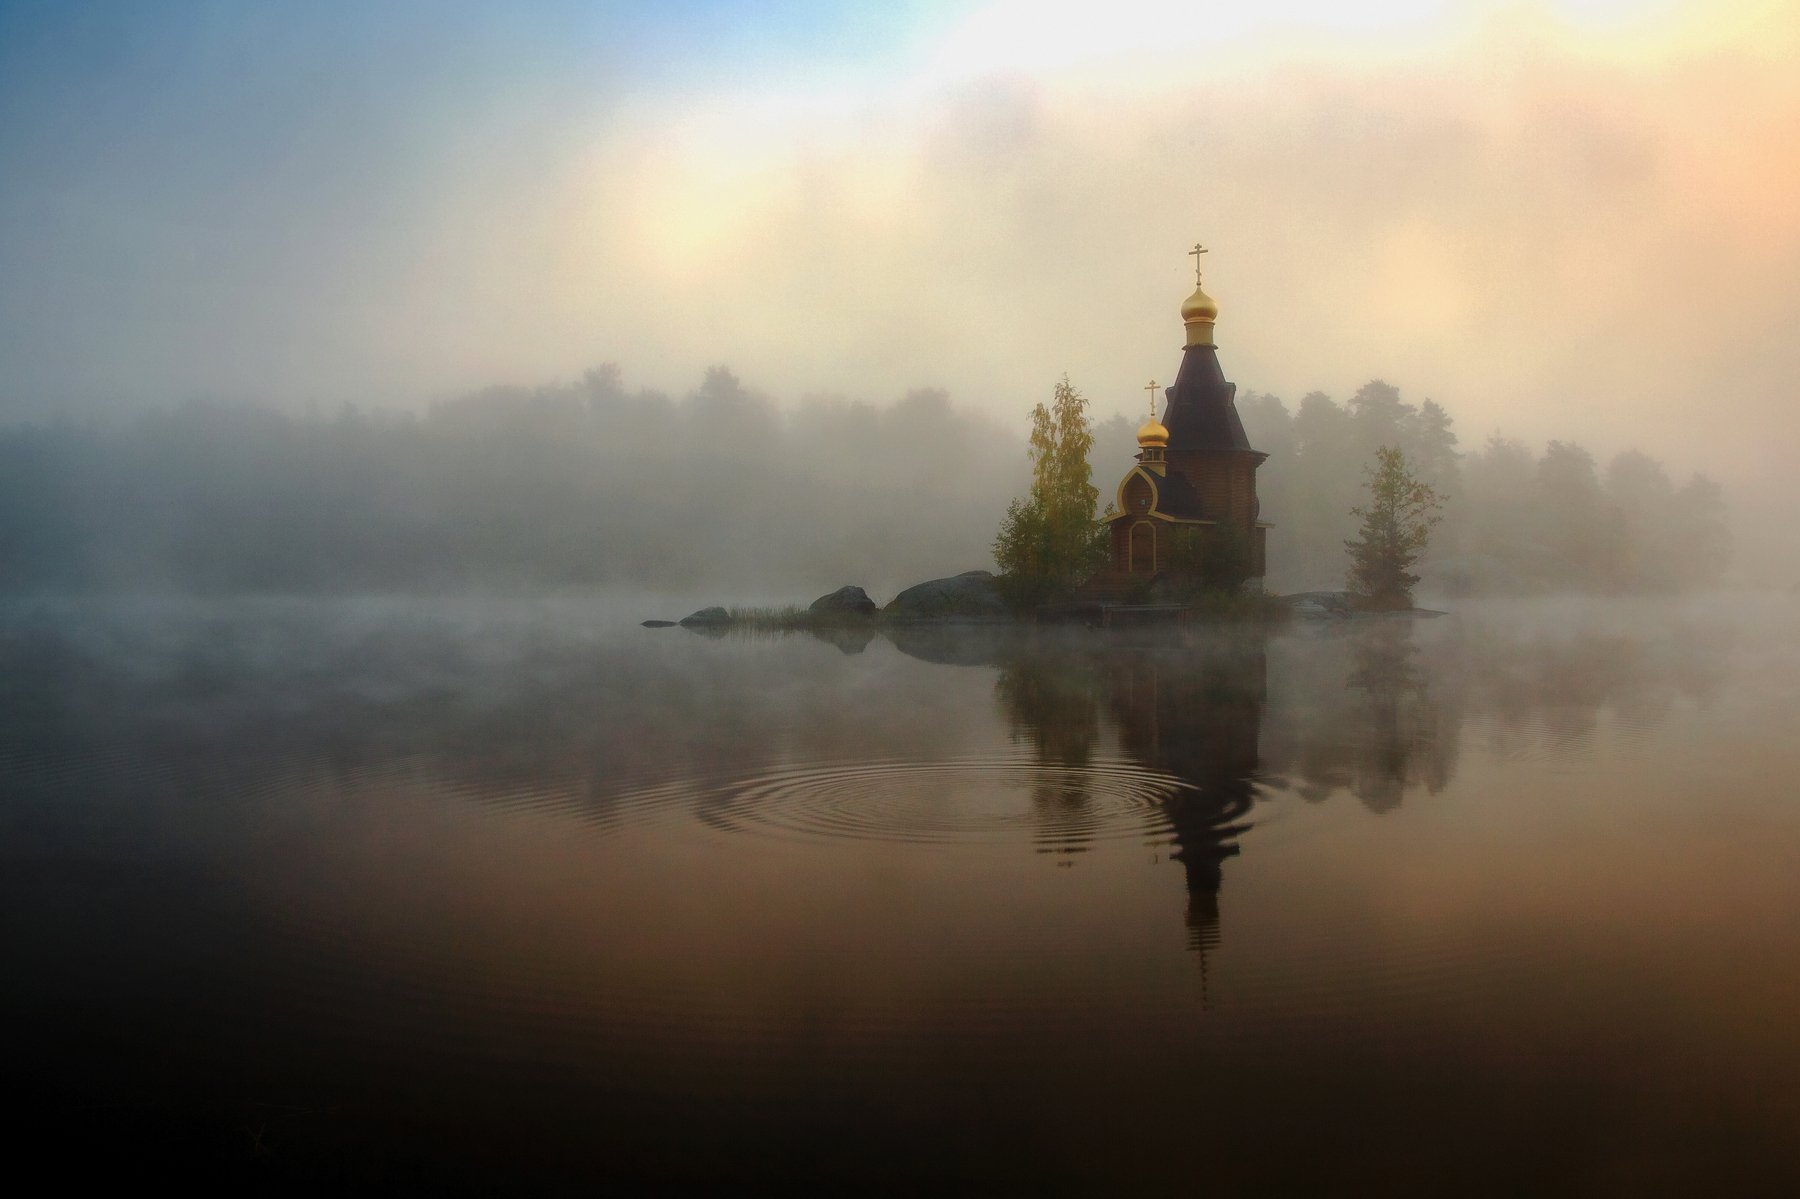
(481, 892)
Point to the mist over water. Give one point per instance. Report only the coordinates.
(479, 890)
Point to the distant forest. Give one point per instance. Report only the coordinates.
(579, 485)
(589, 484)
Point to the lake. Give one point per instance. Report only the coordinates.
(477, 893)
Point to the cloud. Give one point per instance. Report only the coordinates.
(1552, 241)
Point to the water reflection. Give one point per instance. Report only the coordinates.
(1378, 711)
(516, 710)
(852, 639)
(1382, 711)
(1052, 701)
(379, 860)
(1196, 711)
(1186, 705)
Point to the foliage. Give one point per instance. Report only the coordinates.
(1396, 524)
(1208, 560)
(1049, 541)
(1225, 557)
(1239, 606)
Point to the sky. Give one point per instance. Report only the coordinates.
(1559, 218)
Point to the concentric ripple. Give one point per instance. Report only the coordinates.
(948, 801)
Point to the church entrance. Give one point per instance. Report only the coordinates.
(1143, 548)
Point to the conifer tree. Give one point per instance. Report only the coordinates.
(1396, 524)
(1049, 541)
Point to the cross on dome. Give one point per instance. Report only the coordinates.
(1152, 434)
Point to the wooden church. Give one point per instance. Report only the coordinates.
(1195, 476)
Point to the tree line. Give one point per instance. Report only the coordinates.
(590, 483)
(583, 484)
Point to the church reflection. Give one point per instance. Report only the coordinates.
(1185, 705)
(1195, 711)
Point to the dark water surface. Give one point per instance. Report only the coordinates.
(508, 893)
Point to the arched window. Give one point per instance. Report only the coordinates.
(1143, 548)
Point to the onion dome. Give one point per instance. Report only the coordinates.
(1152, 434)
(1198, 312)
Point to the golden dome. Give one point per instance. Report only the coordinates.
(1152, 433)
(1198, 312)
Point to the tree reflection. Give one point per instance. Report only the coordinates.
(1381, 710)
(1052, 699)
(1399, 723)
(1364, 711)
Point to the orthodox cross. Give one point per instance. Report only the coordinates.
(1195, 255)
(1151, 388)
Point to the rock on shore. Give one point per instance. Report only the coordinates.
(845, 601)
(1335, 605)
(970, 595)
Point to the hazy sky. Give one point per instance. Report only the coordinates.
(1560, 218)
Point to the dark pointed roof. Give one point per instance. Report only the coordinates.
(1202, 409)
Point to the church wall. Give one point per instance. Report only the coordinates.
(1225, 483)
(1215, 490)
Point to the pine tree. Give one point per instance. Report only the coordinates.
(1049, 541)
(1396, 523)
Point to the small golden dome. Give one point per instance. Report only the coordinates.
(1152, 433)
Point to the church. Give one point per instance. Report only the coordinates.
(1195, 477)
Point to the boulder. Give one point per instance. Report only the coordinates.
(1335, 605)
(970, 595)
(845, 601)
(706, 618)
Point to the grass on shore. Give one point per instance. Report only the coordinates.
(792, 616)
